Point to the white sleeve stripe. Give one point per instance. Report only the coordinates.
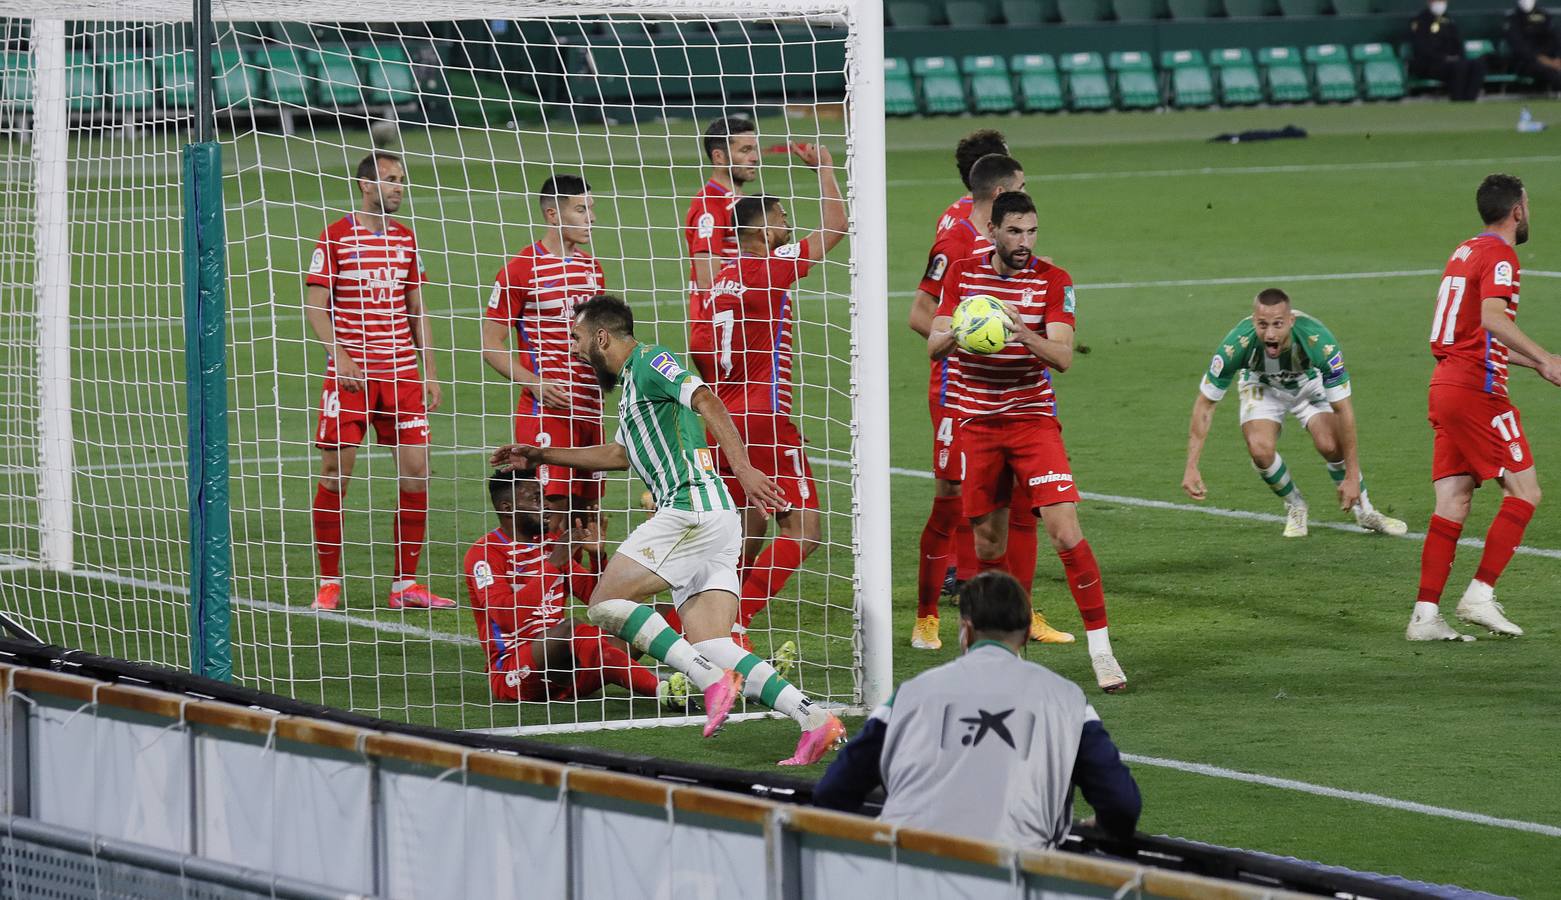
(1208, 389)
(686, 393)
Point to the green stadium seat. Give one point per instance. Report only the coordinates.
(1478, 48)
(83, 83)
(1138, 87)
(1040, 87)
(1298, 8)
(1083, 11)
(1194, 9)
(1332, 73)
(1495, 67)
(942, 90)
(1380, 73)
(1354, 7)
(1192, 82)
(338, 83)
(971, 13)
(1139, 10)
(16, 82)
(388, 72)
(1285, 73)
(1028, 12)
(236, 82)
(1088, 86)
(991, 88)
(286, 73)
(131, 85)
(914, 13)
(899, 91)
(1251, 9)
(176, 79)
(1238, 77)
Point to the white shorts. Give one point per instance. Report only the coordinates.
(1261, 402)
(691, 551)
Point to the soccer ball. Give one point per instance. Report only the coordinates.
(981, 324)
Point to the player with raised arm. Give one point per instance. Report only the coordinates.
(752, 317)
(732, 146)
(1477, 434)
(520, 589)
(691, 545)
(1290, 364)
(365, 304)
(535, 296)
(1009, 428)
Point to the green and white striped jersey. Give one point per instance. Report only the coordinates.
(1312, 351)
(665, 438)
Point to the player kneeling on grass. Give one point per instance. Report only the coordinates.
(520, 588)
(1290, 364)
(691, 545)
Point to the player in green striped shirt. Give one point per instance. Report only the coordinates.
(1290, 364)
(692, 544)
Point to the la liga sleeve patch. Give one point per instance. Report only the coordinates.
(789, 251)
(493, 298)
(482, 574)
(666, 365)
(705, 227)
(317, 261)
(1502, 275)
(936, 266)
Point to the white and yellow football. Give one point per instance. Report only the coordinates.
(980, 324)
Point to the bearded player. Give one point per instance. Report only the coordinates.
(1008, 427)
(1477, 434)
(1290, 364)
(752, 316)
(365, 304)
(732, 146)
(535, 296)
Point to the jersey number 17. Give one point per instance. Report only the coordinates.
(1448, 298)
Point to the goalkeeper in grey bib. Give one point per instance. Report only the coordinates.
(691, 545)
(1289, 364)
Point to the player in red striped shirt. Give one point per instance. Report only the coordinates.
(1477, 433)
(534, 296)
(520, 589)
(365, 303)
(1009, 428)
(752, 315)
(732, 146)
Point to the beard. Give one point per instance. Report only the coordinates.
(1017, 258)
(606, 378)
(1522, 236)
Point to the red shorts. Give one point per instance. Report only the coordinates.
(555, 429)
(522, 679)
(1475, 434)
(948, 456)
(775, 448)
(393, 406)
(1003, 453)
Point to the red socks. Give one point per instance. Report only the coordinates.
(1436, 557)
(1083, 574)
(327, 531)
(595, 654)
(411, 524)
(966, 565)
(1503, 538)
(768, 575)
(937, 541)
(1022, 541)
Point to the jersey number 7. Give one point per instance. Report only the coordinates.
(1446, 316)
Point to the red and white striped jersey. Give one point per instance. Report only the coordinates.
(751, 318)
(536, 294)
(1011, 381)
(516, 594)
(959, 209)
(369, 274)
(956, 242)
(1467, 354)
(707, 228)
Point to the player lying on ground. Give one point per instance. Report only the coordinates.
(1008, 413)
(520, 589)
(1477, 432)
(1290, 364)
(365, 304)
(752, 317)
(691, 545)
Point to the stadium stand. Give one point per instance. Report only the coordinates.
(1332, 73)
(1238, 76)
(1082, 11)
(1191, 79)
(941, 88)
(1039, 84)
(1381, 74)
(899, 89)
(1088, 86)
(1285, 75)
(991, 87)
(1136, 82)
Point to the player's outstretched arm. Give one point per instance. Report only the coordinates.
(1197, 435)
(1344, 433)
(833, 228)
(317, 311)
(417, 325)
(940, 337)
(601, 458)
(761, 491)
(1493, 316)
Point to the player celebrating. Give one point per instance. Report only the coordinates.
(535, 295)
(690, 546)
(365, 304)
(732, 146)
(1008, 424)
(519, 589)
(1290, 363)
(752, 316)
(1477, 432)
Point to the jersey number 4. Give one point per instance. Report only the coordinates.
(1448, 298)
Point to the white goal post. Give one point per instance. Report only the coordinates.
(481, 104)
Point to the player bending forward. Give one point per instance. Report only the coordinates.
(1477, 432)
(1008, 414)
(1290, 364)
(691, 545)
(519, 591)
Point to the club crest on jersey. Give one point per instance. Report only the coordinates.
(482, 574)
(937, 266)
(1028, 297)
(1516, 449)
(317, 262)
(1502, 275)
(667, 365)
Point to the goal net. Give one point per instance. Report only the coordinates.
(481, 108)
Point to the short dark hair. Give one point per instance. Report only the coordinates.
(975, 145)
(557, 186)
(749, 212)
(995, 602)
(1497, 195)
(990, 171)
(502, 484)
(609, 312)
(368, 166)
(1271, 297)
(718, 135)
(1011, 203)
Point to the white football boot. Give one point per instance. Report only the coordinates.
(1432, 627)
(1108, 673)
(1479, 607)
(1295, 520)
(1376, 521)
